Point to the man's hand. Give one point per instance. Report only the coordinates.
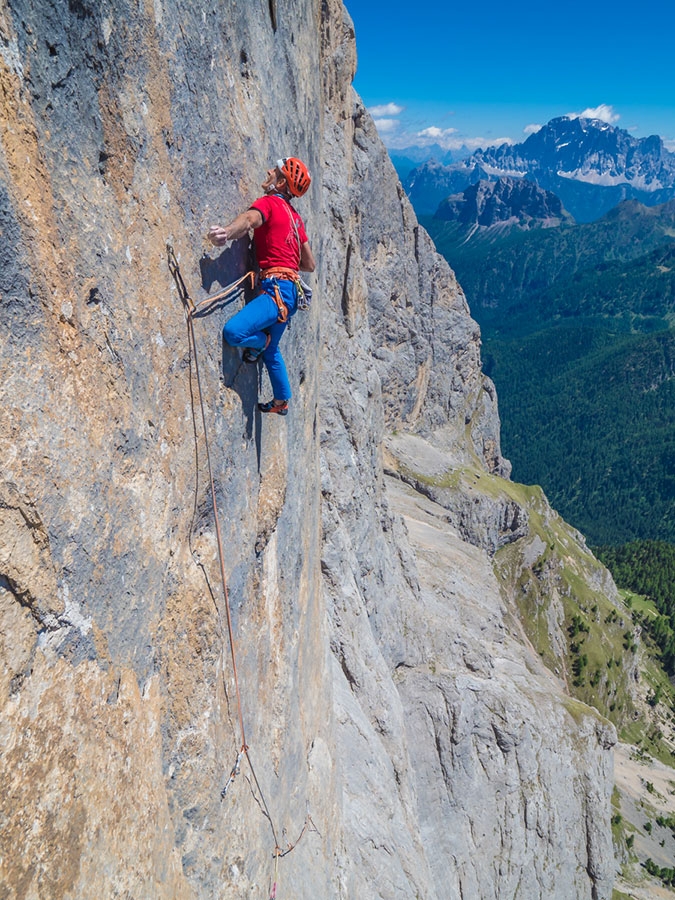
(236, 229)
(217, 236)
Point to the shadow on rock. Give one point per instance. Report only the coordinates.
(246, 380)
(228, 266)
(238, 376)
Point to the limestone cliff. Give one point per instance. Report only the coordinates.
(405, 740)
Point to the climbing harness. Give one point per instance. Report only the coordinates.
(193, 311)
(273, 275)
(283, 274)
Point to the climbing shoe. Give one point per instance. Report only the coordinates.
(252, 355)
(273, 407)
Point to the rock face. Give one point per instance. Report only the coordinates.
(403, 738)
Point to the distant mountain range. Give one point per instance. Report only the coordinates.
(409, 158)
(590, 165)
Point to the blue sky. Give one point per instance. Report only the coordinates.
(478, 73)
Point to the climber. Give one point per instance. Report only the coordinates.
(282, 250)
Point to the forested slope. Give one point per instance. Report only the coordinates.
(576, 335)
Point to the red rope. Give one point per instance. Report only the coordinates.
(220, 295)
(191, 309)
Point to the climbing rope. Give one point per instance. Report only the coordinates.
(191, 311)
(206, 305)
(279, 853)
(273, 892)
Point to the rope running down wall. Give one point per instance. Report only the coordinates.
(191, 310)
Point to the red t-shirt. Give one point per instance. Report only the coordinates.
(277, 241)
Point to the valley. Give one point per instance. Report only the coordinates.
(576, 328)
(577, 320)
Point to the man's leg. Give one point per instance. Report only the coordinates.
(245, 328)
(276, 367)
(274, 361)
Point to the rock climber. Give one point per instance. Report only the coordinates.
(282, 250)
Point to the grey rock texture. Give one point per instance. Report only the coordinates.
(488, 522)
(483, 768)
(404, 740)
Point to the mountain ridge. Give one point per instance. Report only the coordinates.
(588, 163)
(586, 149)
(500, 271)
(514, 202)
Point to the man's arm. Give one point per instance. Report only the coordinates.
(307, 263)
(240, 226)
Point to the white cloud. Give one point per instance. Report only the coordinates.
(386, 109)
(532, 129)
(451, 139)
(669, 145)
(386, 125)
(447, 138)
(603, 112)
(435, 133)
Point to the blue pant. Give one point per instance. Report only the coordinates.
(251, 325)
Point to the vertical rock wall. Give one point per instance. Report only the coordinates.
(127, 125)
(467, 773)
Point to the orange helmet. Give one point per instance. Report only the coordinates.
(296, 174)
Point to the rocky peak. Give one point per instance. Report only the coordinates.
(589, 164)
(505, 202)
(587, 149)
(432, 181)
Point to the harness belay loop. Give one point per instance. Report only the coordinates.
(303, 289)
